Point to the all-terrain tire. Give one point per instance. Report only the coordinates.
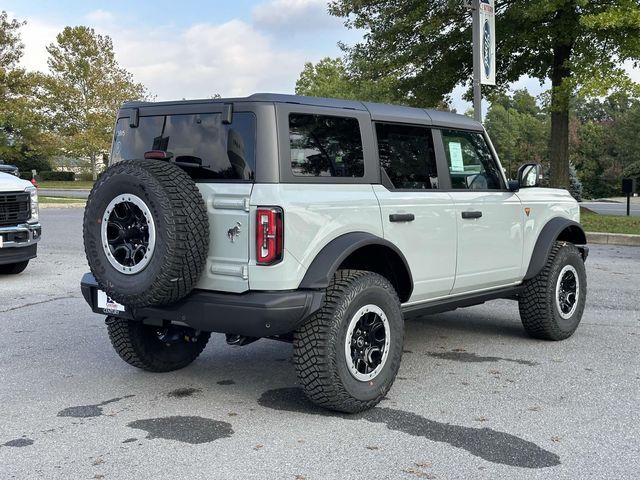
(181, 229)
(539, 309)
(140, 345)
(13, 268)
(319, 344)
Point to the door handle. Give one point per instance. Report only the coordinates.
(402, 217)
(467, 215)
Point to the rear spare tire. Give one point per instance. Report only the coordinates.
(146, 233)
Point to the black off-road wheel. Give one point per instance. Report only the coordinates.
(146, 233)
(347, 356)
(155, 349)
(552, 303)
(13, 268)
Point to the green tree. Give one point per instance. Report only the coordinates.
(426, 48)
(84, 90)
(22, 136)
(519, 129)
(331, 78)
(604, 137)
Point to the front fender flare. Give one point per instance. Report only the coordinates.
(554, 229)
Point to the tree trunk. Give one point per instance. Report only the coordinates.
(566, 30)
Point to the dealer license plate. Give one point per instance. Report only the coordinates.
(109, 305)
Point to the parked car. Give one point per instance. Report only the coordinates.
(321, 222)
(20, 229)
(10, 169)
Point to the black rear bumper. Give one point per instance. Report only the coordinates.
(252, 314)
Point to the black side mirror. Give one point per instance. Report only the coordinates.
(529, 175)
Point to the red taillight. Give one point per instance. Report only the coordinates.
(157, 155)
(269, 235)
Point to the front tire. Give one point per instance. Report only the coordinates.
(13, 268)
(553, 301)
(155, 349)
(347, 356)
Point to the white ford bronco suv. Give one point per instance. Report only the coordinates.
(321, 222)
(19, 224)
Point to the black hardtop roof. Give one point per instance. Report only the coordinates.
(378, 111)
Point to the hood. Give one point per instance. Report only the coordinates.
(11, 183)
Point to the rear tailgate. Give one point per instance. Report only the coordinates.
(227, 266)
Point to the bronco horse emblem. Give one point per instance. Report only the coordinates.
(232, 233)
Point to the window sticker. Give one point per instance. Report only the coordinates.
(455, 153)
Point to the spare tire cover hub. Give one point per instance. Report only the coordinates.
(128, 234)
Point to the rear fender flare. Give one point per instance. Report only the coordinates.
(332, 255)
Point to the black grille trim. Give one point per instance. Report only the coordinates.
(15, 208)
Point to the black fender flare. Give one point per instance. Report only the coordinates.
(557, 228)
(333, 254)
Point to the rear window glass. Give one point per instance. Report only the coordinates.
(325, 146)
(201, 144)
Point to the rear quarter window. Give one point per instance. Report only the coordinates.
(325, 146)
(201, 144)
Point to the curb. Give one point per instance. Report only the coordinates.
(614, 239)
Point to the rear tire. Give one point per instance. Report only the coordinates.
(13, 268)
(553, 301)
(359, 307)
(143, 347)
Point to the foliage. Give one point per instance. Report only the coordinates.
(604, 142)
(425, 49)
(331, 78)
(22, 129)
(575, 185)
(84, 91)
(519, 130)
(48, 176)
(633, 171)
(37, 163)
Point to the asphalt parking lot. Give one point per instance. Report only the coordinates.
(475, 397)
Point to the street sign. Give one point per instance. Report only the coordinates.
(486, 39)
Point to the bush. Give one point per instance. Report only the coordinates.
(56, 176)
(575, 185)
(25, 165)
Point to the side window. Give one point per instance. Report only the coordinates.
(407, 156)
(470, 161)
(325, 146)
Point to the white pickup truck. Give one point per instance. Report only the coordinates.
(19, 224)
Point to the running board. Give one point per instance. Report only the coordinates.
(461, 301)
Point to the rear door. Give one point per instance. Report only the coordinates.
(490, 218)
(220, 157)
(417, 215)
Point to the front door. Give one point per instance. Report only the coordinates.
(489, 218)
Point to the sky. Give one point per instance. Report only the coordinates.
(195, 49)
